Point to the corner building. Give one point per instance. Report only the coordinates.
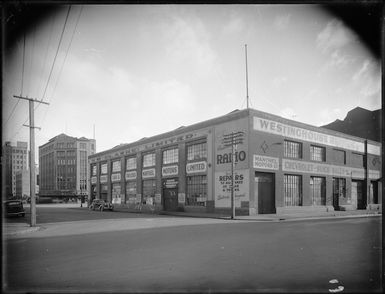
(280, 166)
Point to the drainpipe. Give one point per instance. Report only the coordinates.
(366, 181)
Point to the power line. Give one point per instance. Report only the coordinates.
(22, 82)
(53, 64)
(68, 48)
(57, 51)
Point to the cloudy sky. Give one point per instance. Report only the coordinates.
(137, 71)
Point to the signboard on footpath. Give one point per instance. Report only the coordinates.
(223, 188)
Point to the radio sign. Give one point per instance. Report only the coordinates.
(196, 167)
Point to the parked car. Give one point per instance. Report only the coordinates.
(13, 208)
(100, 204)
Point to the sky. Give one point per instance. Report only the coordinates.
(134, 71)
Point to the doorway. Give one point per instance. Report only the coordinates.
(170, 194)
(264, 191)
(358, 190)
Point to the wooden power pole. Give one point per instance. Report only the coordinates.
(32, 155)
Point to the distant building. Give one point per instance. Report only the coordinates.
(15, 159)
(63, 166)
(23, 183)
(359, 122)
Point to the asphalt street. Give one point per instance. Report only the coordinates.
(303, 256)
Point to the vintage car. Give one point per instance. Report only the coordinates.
(13, 208)
(100, 204)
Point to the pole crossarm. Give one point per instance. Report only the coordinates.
(30, 99)
(32, 127)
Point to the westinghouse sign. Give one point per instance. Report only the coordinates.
(278, 128)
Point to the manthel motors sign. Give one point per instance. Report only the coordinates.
(281, 129)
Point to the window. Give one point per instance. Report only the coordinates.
(197, 151)
(292, 190)
(196, 191)
(339, 156)
(131, 163)
(317, 153)
(318, 190)
(103, 168)
(292, 149)
(131, 189)
(170, 156)
(149, 160)
(82, 145)
(149, 189)
(116, 165)
(115, 192)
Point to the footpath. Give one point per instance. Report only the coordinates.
(168, 219)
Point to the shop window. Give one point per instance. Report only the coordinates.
(318, 190)
(374, 192)
(339, 156)
(131, 189)
(148, 191)
(292, 149)
(197, 151)
(170, 156)
(149, 160)
(196, 194)
(131, 163)
(115, 192)
(292, 190)
(317, 153)
(116, 166)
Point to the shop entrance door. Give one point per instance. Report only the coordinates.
(170, 199)
(264, 192)
(359, 191)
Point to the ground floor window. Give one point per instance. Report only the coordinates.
(318, 190)
(196, 192)
(293, 190)
(130, 191)
(116, 193)
(374, 192)
(148, 191)
(103, 192)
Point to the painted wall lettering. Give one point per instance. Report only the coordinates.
(148, 173)
(265, 162)
(196, 167)
(227, 158)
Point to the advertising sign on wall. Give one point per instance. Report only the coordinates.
(158, 198)
(265, 162)
(115, 177)
(223, 188)
(281, 129)
(93, 180)
(171, 170)
(130, 175)
(181, 198)
(196, 167)
(148, 173)
(103, 179)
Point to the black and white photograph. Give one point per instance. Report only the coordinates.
(169, 147)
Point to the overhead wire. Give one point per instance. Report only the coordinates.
(53, 64)
(22, 83)
(65, 58)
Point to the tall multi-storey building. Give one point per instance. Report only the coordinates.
(23, 180)
(15, 159)
(63, 166)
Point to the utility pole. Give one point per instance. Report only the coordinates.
(233, 139)
(32, 155)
